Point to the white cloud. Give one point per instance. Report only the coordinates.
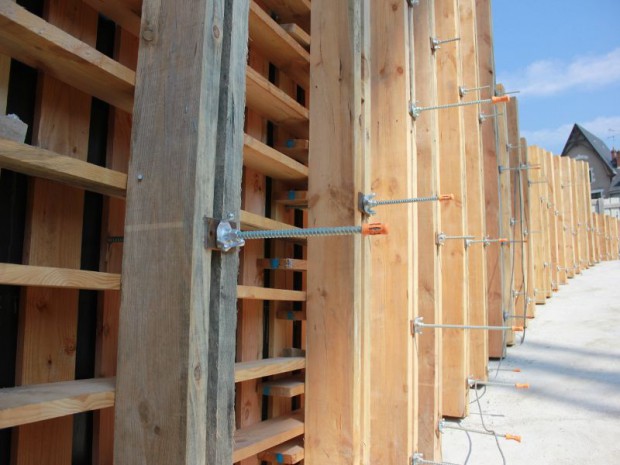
(554, 138)
(549, 77)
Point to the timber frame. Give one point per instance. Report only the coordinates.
(129, 341)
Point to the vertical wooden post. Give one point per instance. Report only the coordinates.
(453, 213)
(553, 220)
(491, 180)
(545, 290)
(569, 239)
(516, 249)
(392, 174)
(119, 145)
(527, 226)
(584, 181)
(429, 222)
(575, 218)
(560, 207)
(48, 317)
(175, 383)
(535, 232)
(337, 360)
(496, 316)
(476, 254)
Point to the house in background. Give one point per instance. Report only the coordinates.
(583, 145)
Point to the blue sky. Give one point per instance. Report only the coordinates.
(564, 57)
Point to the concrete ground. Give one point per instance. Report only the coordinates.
(571, 358)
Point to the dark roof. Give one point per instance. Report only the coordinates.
(581, 134)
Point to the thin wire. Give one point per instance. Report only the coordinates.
(470, 447)
(499, 447)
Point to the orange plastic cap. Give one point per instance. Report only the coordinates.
(502, 240)
(517, 370)
(374, 229)
(518, 329)
(513, 437)
(446, 197)
(522, 386)
(500, 99)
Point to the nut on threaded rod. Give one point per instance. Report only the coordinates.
(367, 202)
(436, 43)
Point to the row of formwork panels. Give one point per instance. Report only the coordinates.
(284, 350)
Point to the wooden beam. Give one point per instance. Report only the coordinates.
(535, 234)
(453, 213)
(35, 161)
(122, 12)
(551, 211)
(47, 340)
(198, 117)
(38, 43)
(289, 264)
(288, 453)
(34, 403)
(283, 387)
(273, 104)
(476, 255)
(559, 207)
(428, 222)
(245, 371)
(486, 64)
(518, 248)
(52, 277)
(263, 293)
(393, 176)
(574, 179)
(568, 217)
(291, 11)
(297, 33)
(528, 207)
(279, 47)
(270, 162)
(499, 339)
(262, 436)
(337, 338)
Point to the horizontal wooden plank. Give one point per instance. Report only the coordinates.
(277, 46)
(35, 161)
(297, 199)
(266, 434)
(28, 404)
(264, 293)
(44, 276)
(33, 41)
(245, 371)
(290, 10)
(291, 315)
(296, 149)
(121, 12)
(275, 105)
(283, 387)
(252, 221)
(270, 162)
(292, 264)
(297, 33)
(290, 452)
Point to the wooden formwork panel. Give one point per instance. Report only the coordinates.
(568, 217)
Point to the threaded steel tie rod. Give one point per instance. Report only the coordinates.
(510, 437)
(366, 202)
(415, 110)
(418, 323)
